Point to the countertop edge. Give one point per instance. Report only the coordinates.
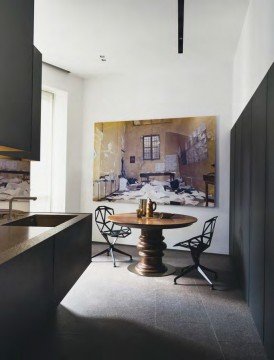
(27, 244)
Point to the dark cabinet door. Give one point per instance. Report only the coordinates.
(245, 195)
(237, 244)
(232, 190)
(16, 41)
(269, 235)
(36, 105)
(72, 255)
(252, 206)
(26, 298)
(257, 206)
(35, 135)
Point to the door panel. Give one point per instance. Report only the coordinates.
(245, 195)
(27, 296)
(36, 105)
(232, 190)
(237, 248)
(16, 39)
(35, 135)
(257, 209)
(269, 234)
(72, 255)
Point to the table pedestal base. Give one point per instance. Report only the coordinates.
(169, 270)
(151, 246)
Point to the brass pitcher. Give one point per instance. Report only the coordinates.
(151, 206)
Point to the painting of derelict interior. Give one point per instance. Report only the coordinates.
(171, 161)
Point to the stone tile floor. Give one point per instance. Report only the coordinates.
(111, 313)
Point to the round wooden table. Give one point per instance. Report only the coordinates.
(151, 242)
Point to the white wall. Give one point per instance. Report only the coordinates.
(72, 86)
(193, 86)
(255, 53)
(41, 171)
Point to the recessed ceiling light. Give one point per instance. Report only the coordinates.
(102, 58)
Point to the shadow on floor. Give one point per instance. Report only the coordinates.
(225, 282)
(100, 339)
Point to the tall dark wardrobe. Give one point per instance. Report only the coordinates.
(252, 206)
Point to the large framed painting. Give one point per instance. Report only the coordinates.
(171, 161)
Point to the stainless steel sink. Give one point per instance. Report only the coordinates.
(42, 220)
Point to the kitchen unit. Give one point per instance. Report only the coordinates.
(41, 257)
(20, 74)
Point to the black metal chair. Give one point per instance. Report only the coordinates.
(109, 229)
(197, 245)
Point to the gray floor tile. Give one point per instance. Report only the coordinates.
(112, 313)
(201, 334)
(180, 306)
(239, 351)
(230, 316)
(231, 327)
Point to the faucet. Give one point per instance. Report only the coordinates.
(18, 198)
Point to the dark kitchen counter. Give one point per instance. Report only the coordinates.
(42, 255)
(14, 240)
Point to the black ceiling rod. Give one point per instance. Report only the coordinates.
(181, 4)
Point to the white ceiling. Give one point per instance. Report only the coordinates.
(133, 34)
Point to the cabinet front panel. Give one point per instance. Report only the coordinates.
(245, 195)
(269, 236)
(232, 191)
(16, 39)
(257, 209)
(237, 248)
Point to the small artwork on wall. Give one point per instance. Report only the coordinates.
(172, 161)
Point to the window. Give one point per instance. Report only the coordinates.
(41, 171)
(151, 147)
(48, 176)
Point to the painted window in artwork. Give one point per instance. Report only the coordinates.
(151, 147)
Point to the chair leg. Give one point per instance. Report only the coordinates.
(184, 272)
(113, 257)
(204, 276)
(210, 271)
(100, 253)
(122, 252)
